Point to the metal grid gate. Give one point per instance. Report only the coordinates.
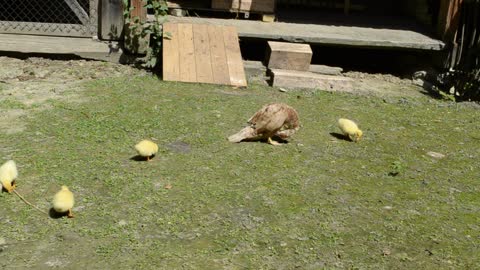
(74, 18)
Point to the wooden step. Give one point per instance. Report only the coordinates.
(304, 79)
(285, 55)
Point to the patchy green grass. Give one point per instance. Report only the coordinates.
(316, 202)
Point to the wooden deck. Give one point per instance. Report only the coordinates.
(202, 53)
(385, 38)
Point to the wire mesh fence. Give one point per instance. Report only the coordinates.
(49, 17)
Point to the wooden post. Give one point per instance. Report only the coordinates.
(111, 20)
(139, 10)
(448, 19)
(134, 42)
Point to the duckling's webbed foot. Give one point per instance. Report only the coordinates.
(70, 214)
(272, 142)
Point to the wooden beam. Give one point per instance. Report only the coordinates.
(286, 55)
(324, 34)
(79, 11)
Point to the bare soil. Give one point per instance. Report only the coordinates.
(30, 83)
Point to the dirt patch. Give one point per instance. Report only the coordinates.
(30, 83)
(384, 85)
(9, 121)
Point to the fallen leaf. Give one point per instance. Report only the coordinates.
(168, 186)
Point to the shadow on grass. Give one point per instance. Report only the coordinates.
(265, 140)
(140, 158)
(340, 136)
(56, 215)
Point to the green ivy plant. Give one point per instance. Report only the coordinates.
(153, 29)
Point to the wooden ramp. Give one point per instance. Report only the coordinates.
(203, 54)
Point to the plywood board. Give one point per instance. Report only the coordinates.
(202, 53)
(186, 47)
(234, 59)
(171, 57)
(218, 56)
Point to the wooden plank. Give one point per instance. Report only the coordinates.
(186, 47)
(305, 79)
(268, 18)
(139, 10)
(47, 44)
(218, 56)
(83, 47)
(325, 34)
(234, 58)
(171, 56)
(203, 61)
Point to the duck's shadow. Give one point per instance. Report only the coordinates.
(265, 140)
(56, 215)
(340, 136)
(140, 158)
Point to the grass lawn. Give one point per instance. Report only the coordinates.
(318, 202)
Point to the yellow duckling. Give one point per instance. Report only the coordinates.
(350, 129)
(8, 174)
(63, 201)
(146, 149)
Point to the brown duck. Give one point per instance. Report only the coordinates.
(273, 120)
